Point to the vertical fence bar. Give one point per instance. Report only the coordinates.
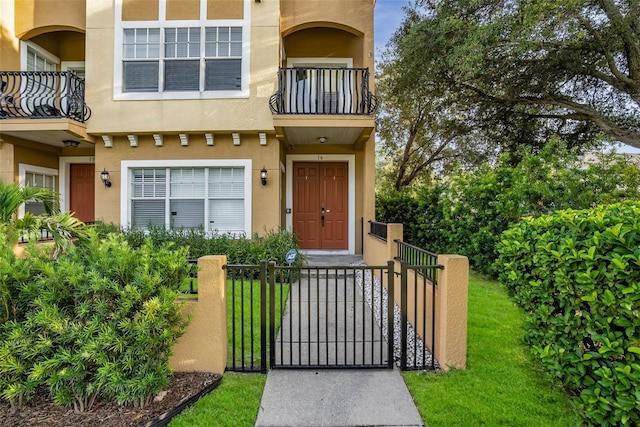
(263, 316)
(403, 316)
(390, 312)
(233, 274)
(272, 315)
(434, 283)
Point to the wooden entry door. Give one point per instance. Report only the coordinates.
(321, 204)
(82, 191)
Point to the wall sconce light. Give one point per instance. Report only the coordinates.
(322, 139)
(263, 175)
(71, 143)
(106, 179)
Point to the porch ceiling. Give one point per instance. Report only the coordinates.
(47, 131)
(305, 130)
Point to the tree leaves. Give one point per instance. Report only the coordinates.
(520, 71)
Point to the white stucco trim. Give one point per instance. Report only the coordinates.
(351, 160)
(125, 179)
(64, 179)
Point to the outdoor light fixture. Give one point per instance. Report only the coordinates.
(104, 175)
(322, 139)
(263, 175)
(71, 143)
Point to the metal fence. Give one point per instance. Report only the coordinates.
(329, 317)
(378, 229)
(413, 255)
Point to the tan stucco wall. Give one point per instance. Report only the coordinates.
(183, 9)
(324, 43)
(225, 9)
(451, 312)
(7, 167)
(9, 44)
(266, 208)
(33, 17)
(139, 10)
(231, 115)
(203, 347)
(354, 15)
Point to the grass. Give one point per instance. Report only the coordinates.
(234, 403)
(245, 338)
(501, 385)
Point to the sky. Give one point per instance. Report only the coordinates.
(387, 16)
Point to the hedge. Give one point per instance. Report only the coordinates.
(577, 274)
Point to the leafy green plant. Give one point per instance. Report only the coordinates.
(271, 245)
(467, 214)
(577, 274)
(99, 321)
(62, 226)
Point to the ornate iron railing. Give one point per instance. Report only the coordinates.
(323, 91)
(42, 95)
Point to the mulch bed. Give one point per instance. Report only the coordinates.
(41, 411)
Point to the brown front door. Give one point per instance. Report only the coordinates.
(82, 191)
(320, 204)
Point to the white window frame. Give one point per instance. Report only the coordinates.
(128, 165)
(162, 23)
(26, 45)
(23, 168)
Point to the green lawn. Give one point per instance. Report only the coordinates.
(501, 386)
(234, 403)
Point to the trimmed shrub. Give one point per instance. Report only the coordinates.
(97, 322)
(577, 274)
(272, 245)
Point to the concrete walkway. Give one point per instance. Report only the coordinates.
(336, 397)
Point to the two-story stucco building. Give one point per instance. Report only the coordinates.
(231, 115)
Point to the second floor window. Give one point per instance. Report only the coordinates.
(182, 59)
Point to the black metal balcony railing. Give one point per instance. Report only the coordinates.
(42, 95)
(323, 91)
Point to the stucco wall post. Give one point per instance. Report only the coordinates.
(203, 347)
(451, 312)
(377, 251)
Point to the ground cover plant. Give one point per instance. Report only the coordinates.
(577, 275)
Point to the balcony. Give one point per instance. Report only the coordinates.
(44, 106)
(42, 95)
(323, 91)
(323, 105)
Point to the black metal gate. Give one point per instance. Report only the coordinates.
(323, 317)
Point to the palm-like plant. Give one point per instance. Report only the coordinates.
(62, 226)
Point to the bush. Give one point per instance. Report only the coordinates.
(577, 274)
(273, 245)
(468, 213)
(98, 321)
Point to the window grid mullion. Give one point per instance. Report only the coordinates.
(167, 198)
